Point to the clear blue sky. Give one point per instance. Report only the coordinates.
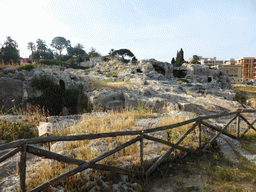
(149, 28)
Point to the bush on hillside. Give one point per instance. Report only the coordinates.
(10, 131)
(27, 67)
(241, 97)
(54, 98)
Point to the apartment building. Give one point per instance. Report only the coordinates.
(233, 71)
(208, 61)
(248, 67)
(231, 61)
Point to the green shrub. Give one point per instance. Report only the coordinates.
(10, 131)
(249, 83)
(193, 188)
(54, 98)
(241, 97)
(183, 80)
(112, 75)
(42, 83)
(105, 59)
(27, 67)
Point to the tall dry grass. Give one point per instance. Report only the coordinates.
(173, 135)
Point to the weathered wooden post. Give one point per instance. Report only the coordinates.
(200, 134)
(238, 125)
(22, 167)
(141, 154)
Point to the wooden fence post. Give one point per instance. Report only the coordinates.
(200, 134)
(141, 155)
(238, 125)
(22, 167)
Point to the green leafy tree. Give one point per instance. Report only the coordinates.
(9, 51)
(41, 46)
(93, 53)
(195, 60)
(77, 52)
(48, 54)
(60, 43)
(42, 52)
(122, 53)
(180, 58)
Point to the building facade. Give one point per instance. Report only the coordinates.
(233, 71)
(248, 67)
(208, 61)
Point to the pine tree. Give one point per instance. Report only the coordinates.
(9, 51)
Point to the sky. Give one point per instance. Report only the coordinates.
(149, 28)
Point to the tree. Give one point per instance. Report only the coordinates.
(173, 62)
(180, 58)
(195, 60)
(111, 53)
(32, 48)
(77, 52)
(93, 53)
(122, 53)
(48, 54)
(41, 46)
(9, 51)
(60, 43)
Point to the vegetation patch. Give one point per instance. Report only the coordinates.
(23, 128)
(27, 67)
(10, 131)
(112, 75)
(54, 97)
(241, 97)
(183, 80)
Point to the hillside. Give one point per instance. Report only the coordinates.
(126, 97)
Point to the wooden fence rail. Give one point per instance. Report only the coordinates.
(24, 146)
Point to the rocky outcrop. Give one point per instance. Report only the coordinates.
(149, 83)
(15, 85)
(215, 78)
(11, 91)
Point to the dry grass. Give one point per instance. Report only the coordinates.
(244, 88)
(85, 150)
(106, 122)
(174, 134)
(208, 172)
(24, 126)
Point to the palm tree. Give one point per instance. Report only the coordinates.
(31, 47)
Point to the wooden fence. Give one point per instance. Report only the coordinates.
(24, 146)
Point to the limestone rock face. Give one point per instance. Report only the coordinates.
(11, 91)
(56, 77)
(15, 86)
(202, 73)
(107, 100)
(162, 68)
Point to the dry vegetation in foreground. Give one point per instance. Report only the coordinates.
(24, 127)
(207, 172)
(210, 171)
(110, 122)
(244, 88)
